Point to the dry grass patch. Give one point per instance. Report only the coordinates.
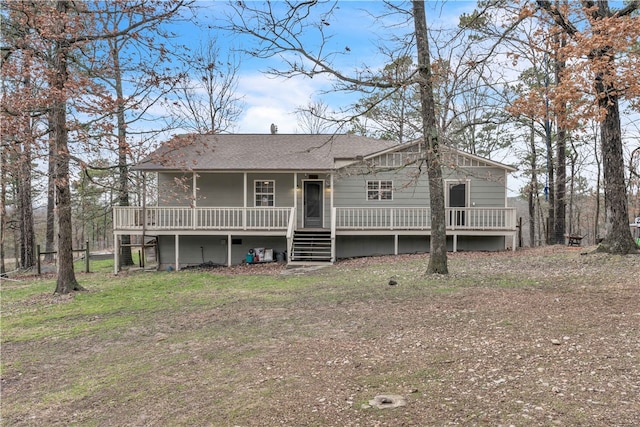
(539, 337)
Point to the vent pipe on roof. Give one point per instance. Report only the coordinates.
(274, 129)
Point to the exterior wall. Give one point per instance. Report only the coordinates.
(486, 184)
(358, 246)
(479, 243)
(213, 249)
(284, 190)
(221, 189)
(486, 187)
(351, 190)
(175, 189)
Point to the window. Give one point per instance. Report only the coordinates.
(379, 190)
(265, 193)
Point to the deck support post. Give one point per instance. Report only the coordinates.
(116, 254)
(395, 244)
(229, 240)
(513, 247)
(455, 243)
(177, 252)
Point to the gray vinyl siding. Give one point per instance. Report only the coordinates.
(357, 246)
(220, 189)
(487, 194)
(175, 189)
(351, 191)
(486, 184)
(486, 187)
(284, 191)
(213, 249)
(194, 250)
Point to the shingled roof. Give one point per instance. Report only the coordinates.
(260, 152)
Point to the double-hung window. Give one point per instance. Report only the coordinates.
(379, 190)
(265, 193)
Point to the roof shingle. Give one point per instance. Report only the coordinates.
(228, 152)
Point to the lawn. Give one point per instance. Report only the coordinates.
(538, 337)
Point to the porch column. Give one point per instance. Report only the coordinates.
(194, 215)
(295, 191)
(177, 252)
(295, 203)
(229, 240)
(195, 192)
(244, 202)
(331, 186)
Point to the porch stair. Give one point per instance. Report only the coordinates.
(310, 247)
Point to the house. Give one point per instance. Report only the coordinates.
(315, 198)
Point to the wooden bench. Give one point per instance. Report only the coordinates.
(574, 240)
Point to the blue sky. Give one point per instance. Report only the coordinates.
(268, 100)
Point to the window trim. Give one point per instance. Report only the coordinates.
(379, 190)
(256, 193)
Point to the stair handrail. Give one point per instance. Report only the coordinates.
(290, 229)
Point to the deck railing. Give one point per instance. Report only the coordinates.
(420, 218)
(201, 218)
(267, 218)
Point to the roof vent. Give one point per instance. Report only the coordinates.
(274, 129)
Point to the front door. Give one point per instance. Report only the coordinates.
(457, 199)
(313, 207)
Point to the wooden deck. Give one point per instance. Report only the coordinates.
(135, 220)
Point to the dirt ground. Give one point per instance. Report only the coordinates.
(548, 336)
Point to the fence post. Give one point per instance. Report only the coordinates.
(38, 259)
(519, 232)
(86, 257)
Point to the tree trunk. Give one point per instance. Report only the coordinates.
(438, 256)
(596, 223)
(3, 208)
(618, 238)
(573, 159)
(533, 188)
(560, 211)
(66, 281)
(123, 150)
(27, 232)
(550, 187)
(51, 191)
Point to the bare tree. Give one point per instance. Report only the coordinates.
(438, 258)
(208, 101)
(118, 63)
(59, 32)
(313, 118)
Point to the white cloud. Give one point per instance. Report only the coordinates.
(268, 100)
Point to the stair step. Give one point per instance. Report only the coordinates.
(311, 246)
